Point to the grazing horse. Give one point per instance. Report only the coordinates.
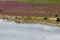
(58, 20)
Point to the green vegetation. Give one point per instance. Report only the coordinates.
(32, 19)
(42, 1)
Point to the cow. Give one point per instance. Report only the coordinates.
(58, 20)
(45, 18)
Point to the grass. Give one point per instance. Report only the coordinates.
(42, 1)
(33, 19)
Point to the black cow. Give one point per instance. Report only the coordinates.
(45, 18)
(58, 20)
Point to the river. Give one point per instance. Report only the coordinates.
(9, 30)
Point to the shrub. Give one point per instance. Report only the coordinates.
(56, 15)
(0, 10)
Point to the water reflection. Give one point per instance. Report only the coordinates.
(9, 30)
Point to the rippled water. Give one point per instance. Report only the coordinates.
(24, 31)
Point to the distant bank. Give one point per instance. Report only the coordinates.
(28, 9)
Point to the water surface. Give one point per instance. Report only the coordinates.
(9, 30)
